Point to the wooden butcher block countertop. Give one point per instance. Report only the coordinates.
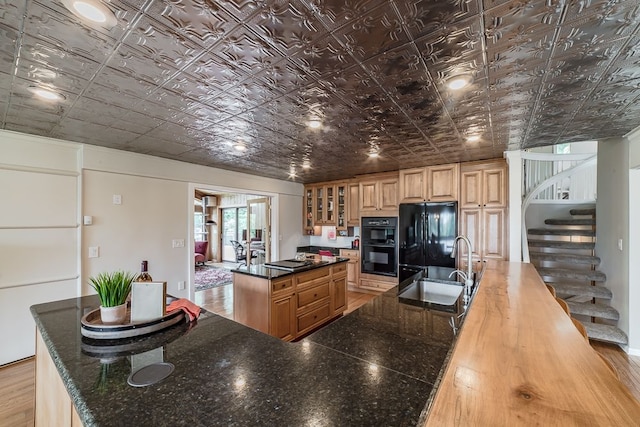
(519, 360)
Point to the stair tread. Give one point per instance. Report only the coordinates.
(608, 333)
(570, 221)
(583, 211)
(560, 244)
(577, 289)
(566, 258)
(602, 311)
(562, 232)
(566, 273)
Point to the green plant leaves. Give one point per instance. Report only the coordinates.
(112, 288)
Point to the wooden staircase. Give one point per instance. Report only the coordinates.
(563, 253)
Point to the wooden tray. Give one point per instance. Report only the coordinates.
(92, 326)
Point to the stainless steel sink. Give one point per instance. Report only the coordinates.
(436, 292)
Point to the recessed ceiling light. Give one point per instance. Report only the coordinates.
(473, 138)
(458, 82)
(373, 154)
(240, 147)
(48, 94)
(314, 123)
(306, 165)
(92, 10)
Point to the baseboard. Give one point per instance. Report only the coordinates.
(633, 351)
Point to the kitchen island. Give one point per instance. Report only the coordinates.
(518, 360)
(288, 299)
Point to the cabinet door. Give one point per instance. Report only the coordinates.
(319, 205)
(412, 185)
(388, 197)
(471, 194)
(339, 294)
(353, 201)
(493, 230)
(352, 268)
(283, 318)
(307, 219)
(494, 187)
(368, 196)
(471, 226)
(442, 183)
(341, 206)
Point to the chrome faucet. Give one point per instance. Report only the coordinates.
(468, 276)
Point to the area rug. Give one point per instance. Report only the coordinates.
(208, 277)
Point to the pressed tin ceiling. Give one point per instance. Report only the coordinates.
(187, 79)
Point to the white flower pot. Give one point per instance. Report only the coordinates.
(113, 315)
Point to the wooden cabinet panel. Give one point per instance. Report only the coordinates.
(471, 226)
(389, 194)
(495, 187)
(354, 209)
(307, 212)
(494, 239)
(352, 267)
(442, 183)
(379, 196)
(483, 213)
(313, 318)
(283, 318)
(339, 293)
(282, 285)
(53, 404)
(368, 196)
(412, 185)
(312, 295)
(471, 195)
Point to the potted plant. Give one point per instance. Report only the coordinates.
(113, 290)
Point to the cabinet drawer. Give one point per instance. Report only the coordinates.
(282, 285)
(339, 268)
(313, 318)
(349, 253)
(310, 275)
(314, 294)
(375, 285)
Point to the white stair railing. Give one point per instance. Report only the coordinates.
(556, 178)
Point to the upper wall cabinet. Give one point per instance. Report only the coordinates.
(430, 184)
(379, 195)
(325, 204)
(483, 185)
(353, 200)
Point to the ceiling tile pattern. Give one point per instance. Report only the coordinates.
(188, 79)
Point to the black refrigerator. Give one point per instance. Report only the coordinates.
(426, 234)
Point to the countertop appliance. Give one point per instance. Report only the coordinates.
(427, 232)
(379, 245)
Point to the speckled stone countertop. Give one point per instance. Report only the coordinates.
(377, 366)
(261, 270)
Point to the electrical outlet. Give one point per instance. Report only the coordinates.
(177, 243)
(181, 285)
(94, 251)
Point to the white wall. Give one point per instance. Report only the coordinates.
(613, 222)
(634, 242)
(157, 207)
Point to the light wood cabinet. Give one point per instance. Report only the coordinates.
(429, 184)
(353, 212)
(379, 195)
(353, 266)
(290, 306)
(483, 209)
(325, 204)
(53, 404)
(375, 283)
(307, 210)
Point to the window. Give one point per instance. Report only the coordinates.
(200, 232)
(234, 223)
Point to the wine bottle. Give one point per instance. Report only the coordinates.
(144, 275)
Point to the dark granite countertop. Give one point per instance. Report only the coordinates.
(335, 250)
(376, 366)
(261, 270)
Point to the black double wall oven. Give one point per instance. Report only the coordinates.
(379, 242)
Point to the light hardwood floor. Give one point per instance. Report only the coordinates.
(17, 381)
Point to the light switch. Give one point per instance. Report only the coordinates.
(117, 199)
(94, 251)
(87, 220)
(620, 245)
(177, 243)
